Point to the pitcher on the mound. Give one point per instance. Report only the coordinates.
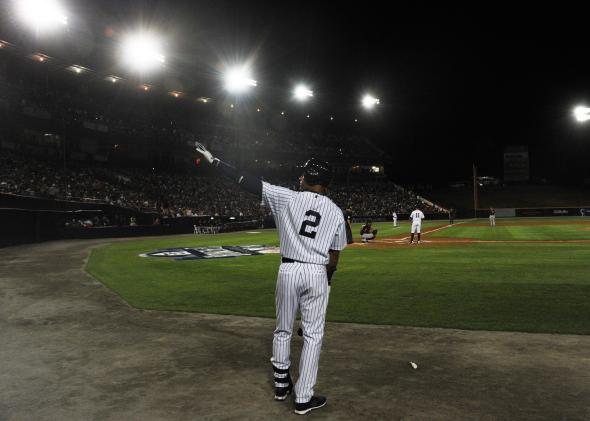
(416, 216)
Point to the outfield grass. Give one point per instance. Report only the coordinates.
(536, 287)
(529, 229)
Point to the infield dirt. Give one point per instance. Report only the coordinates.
(426, 241)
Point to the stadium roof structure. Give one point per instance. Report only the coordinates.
(447, 77)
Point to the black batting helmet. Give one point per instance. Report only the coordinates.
(317, 172)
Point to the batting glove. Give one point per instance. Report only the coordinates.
(203, 151)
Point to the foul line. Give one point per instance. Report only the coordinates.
(403, 239)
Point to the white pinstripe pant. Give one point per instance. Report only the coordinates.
(303, 286)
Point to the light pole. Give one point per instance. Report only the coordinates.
(581, 114)
(475, 191)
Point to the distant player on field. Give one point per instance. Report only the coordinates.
(367, 232)
(348, 219)
(492, 217)
(394, 216)
(416, 217)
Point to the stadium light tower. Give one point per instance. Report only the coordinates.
(142, 51)
(581, 113)
(302, 93)
(369, 101)
(238, 80)
(41, 15)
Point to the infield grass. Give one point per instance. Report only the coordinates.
(534, 287)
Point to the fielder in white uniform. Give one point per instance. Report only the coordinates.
(492, 217)
(416, 216)
(312, 232)
(394, 220)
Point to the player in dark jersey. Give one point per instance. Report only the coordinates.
(367, 232)
(348, 219)
(451, 216)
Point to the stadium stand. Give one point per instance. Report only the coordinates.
(77, 154)
(179, 194)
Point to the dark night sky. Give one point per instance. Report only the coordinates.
(457, 84)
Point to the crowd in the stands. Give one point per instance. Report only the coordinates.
(157, 122)
(85, 119)
(180, 194)
(378, 199)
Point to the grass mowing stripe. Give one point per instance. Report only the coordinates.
(526, 287)
(530, 230)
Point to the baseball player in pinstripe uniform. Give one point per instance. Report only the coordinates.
(416, 216)
(312, 232)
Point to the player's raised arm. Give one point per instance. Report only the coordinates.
(244, 180)
(275, 197)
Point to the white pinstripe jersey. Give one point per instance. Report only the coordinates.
(309, 224)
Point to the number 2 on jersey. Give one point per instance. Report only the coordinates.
(313, 223)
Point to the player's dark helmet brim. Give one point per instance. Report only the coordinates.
(317, 172)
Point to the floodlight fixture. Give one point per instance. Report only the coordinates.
(112, 78)
(41, 15)
(41, 58)
(369, 101)
(239, 80)
(581, 113)
(77, 69)
(143, 52)
(302, 93)
(204, 100)
(176, 94)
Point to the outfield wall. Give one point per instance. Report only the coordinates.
(536, 212)
(26, 219)
(22, 226)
